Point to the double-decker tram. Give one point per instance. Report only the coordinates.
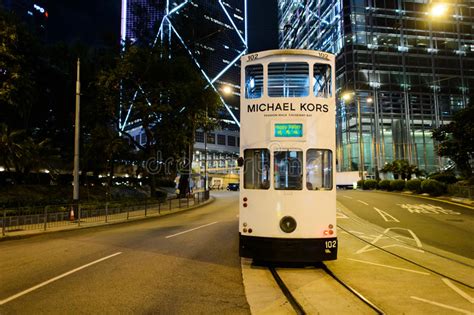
(287, 149)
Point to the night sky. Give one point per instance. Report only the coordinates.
(92, 22)
(98, 22)
(262, 25)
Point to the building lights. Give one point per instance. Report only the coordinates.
(438, 9)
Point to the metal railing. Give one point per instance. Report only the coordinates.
(54, 216)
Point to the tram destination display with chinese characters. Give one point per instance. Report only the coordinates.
(287, 154)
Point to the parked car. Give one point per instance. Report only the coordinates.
(233, 186)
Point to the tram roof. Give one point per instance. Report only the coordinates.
(300, 52)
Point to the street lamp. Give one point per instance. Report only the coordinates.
(346, 97)
(227, 90)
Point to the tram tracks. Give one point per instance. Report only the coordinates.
(408, 245)
(398, 240)
(324, 273)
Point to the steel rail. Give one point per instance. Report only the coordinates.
(352, 290)
(294, 303)
(408, 260)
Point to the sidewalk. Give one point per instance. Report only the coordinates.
(100, 220)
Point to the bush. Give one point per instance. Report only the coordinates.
(397, 185)
(360, 183)
(433, 187)
(384, 184)
(164, 182)
(447, 177)
(160, 195)
(414, 185)
(370, 184)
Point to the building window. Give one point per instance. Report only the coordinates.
(221, 139)
(199, 136)
(288, 79)
(211, 138)
(253, 81)
(231, 141)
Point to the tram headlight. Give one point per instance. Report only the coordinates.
(287, 224)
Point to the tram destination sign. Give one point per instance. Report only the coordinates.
(288, 130)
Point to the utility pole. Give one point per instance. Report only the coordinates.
(77, 130)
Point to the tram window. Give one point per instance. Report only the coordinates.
(288, 170)
(256, 169)
(319, 169)
(253, 81)
(322, 80)
(288, 79)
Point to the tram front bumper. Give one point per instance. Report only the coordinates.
(288, 249)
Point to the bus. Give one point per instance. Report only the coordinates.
(287, 206)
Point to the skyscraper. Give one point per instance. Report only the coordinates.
(402, 71)
(213, 35)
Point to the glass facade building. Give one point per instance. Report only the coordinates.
(214, 35)
(402, 72)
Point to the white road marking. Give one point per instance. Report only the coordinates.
(347, 197)
(369, 248)
(199, 227)
(427, 209)
(363, 202)
(387, 217)
(442, 305)
(391, 267)
(458, 291)
(341, 216)
(55, 278)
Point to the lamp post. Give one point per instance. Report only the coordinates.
(361, 141)
(77, 130)
(347, 96)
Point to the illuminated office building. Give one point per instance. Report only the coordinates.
(213, 34)
(408, 71)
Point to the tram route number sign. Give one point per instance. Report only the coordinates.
(288, 130)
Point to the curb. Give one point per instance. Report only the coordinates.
(32, 233)
(452, 200)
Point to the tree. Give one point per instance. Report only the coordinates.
(19, 61)
(456, 140)
(167, 97)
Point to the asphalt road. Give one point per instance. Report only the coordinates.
(184, 263)
(442, 225)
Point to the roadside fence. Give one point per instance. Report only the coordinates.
(54, 216)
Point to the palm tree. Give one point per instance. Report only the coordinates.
(401, 168)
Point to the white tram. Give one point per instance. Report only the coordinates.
(287, 149)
